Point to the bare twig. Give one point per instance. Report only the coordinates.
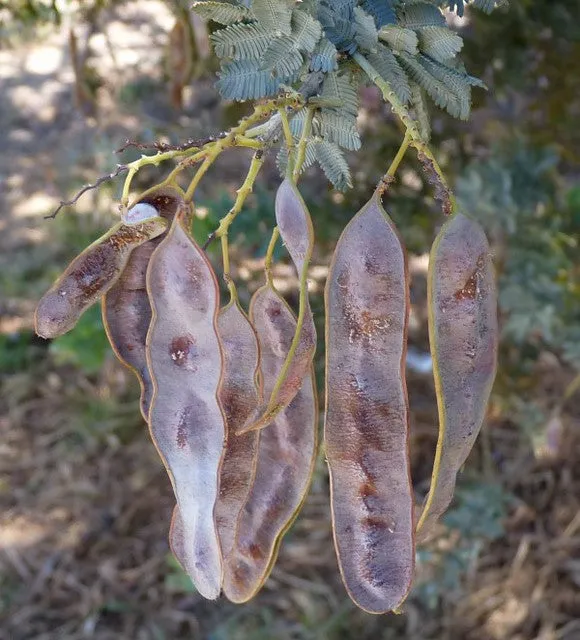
(209, 240)
(164, 146)
(121, 168)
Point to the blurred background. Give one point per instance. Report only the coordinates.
(85, 502)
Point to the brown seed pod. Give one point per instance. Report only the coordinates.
(463, 333)
(126, 308)
(90, 275)
(366, 430)
(297, 233)
(286, 456)
(186, 420)
(240, 392)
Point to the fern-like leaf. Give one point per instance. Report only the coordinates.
(309, 158)
(282, 57)
(400, 38)
(339, 87)
(390, 70)
(337, 19)
(365, 30)
(297, 123)
(439, 43)
(222, 12)
(273, 14)
(420, 14)
(419, 105)
(306, 31)
(241, 41)
(443, 96)
(333, 163)
(245, 80)
(485, 5)
(341, 129)
(381, 10)
(324, 57)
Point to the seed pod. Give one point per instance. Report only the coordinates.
(186, 419)
(126, 308)
(240, 391)
(90, 275)
(297, 234)
(367, 423)
(463, 333)
(286, 456)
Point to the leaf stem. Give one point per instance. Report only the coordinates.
(211, 149)
(242, 193)
(270, 255)
(398, 157)
(301, 153)
(425, 154)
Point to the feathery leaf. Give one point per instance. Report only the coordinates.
(245, 80)
(365, 30)
(420, 14)
(324, 57)
(419, 105)
(399, 38)
(282, 57)
(306, 31)
(340, 87)
(439, 43)
(341, 129)
(241, 41)
(390, 70)
(273, 14)
(333, 163)
(381, 10)
(222, 12)
(455, 102)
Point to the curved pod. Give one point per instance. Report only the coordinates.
(126, 309)
(286, 457)
(90, 275)
(367, 424)
(186, 419)
(463, 334)
(240, 392)
(297, 233)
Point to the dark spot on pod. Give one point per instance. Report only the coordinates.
(469, 290)
(179, 350)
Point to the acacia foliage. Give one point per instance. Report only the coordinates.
(267, 46)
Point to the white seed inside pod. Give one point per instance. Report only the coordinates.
(140, 212)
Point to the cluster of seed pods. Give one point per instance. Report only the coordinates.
(230, 399)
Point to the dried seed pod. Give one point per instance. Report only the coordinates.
(126, 308)
(463, 333)
(297, 233)
(367, 423)
(286, 456)
(186, 419)
(240, 392)
(90, 275)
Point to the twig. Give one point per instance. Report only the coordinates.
(121, 168)
(164, 146)
(210, 239)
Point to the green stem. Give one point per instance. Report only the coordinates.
(242, 194)
(210, 151)
(289, 138)
(397, 159)
(410, 125)
(301, 154)
(270, 255)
